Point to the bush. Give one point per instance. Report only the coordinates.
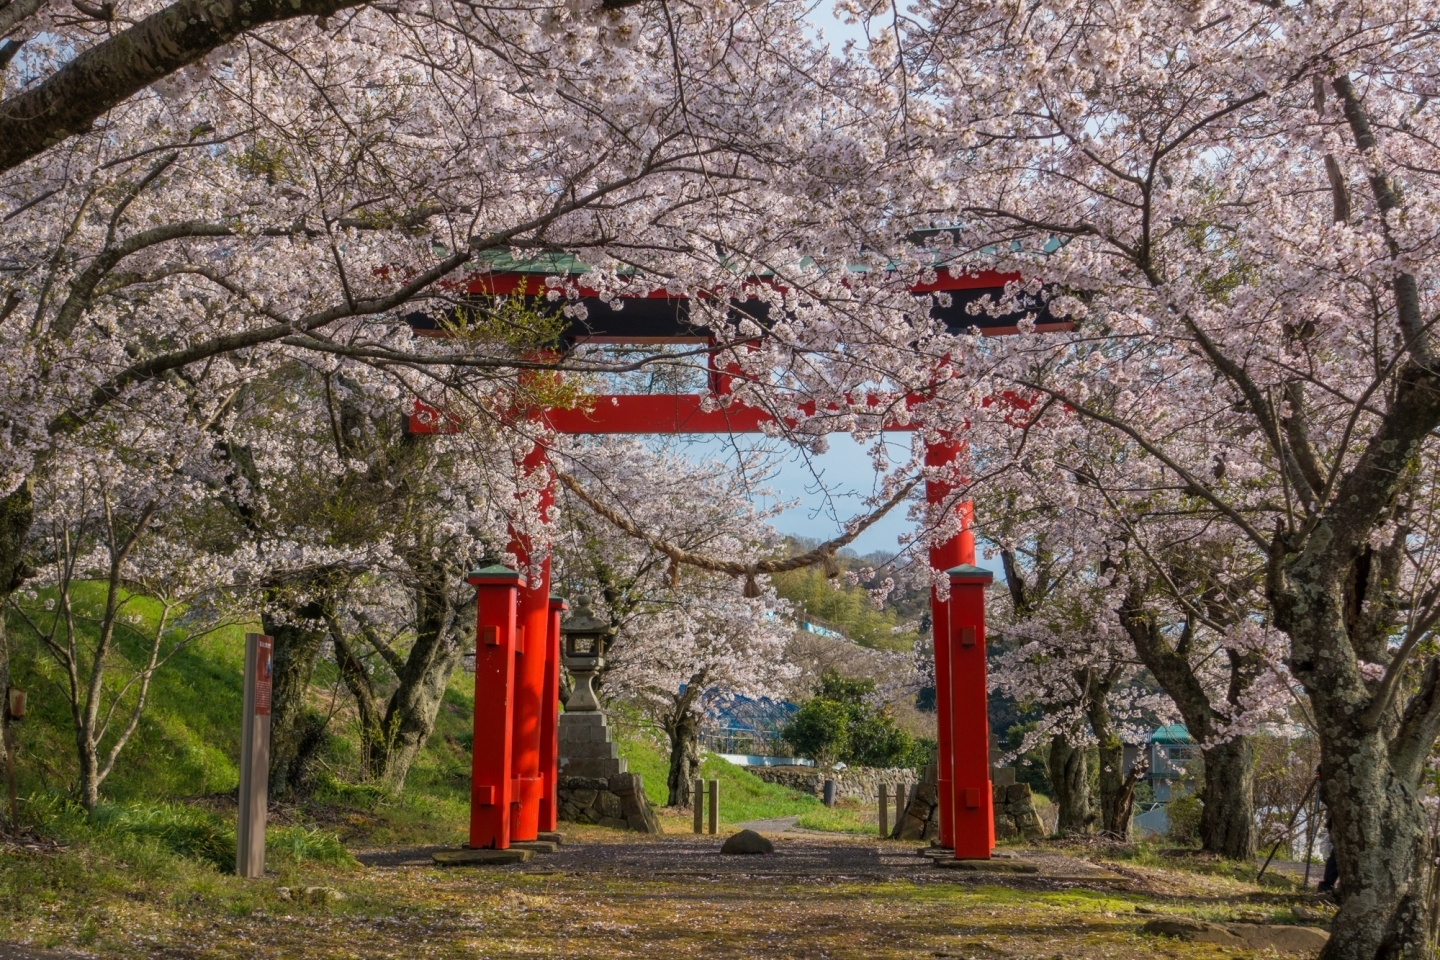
(837, 724)
(820, 729)
(1184, 815)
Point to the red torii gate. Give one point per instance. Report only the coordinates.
(515, 751)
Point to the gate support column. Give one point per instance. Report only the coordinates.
(550, 722)
(491, 769)
(953, 552)
(533, 619)
(969, 716)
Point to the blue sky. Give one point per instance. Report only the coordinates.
(829, 488)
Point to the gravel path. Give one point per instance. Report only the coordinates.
(807, 855)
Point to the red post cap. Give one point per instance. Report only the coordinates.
(492, 574)
(969, 573)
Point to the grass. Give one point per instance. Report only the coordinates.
(743, 796)
(131, 896)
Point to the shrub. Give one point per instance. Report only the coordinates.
(1184, 815)
(838, 724)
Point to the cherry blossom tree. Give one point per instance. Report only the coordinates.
(1235, 205)
(686, 639)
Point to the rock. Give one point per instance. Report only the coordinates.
(1195, 931)
(1256, 936)
(283, 893)
(1281, 937)
(582, 798)
(615, 823)
(1017, 791)
(553, 836)
(747, 841)
(323, 895)
(611, 807)
(1305, 913)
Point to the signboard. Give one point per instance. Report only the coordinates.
(254, 756)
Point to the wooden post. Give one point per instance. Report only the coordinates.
(714, 807)
(883, 791)
(699, 801)
(254, 758)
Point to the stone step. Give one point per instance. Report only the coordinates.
(578, 734)
(577, 749)
(592, 767)
(582, 718)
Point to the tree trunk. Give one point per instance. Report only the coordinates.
(296, 730)
(1227, 821)
(17, 512)
(89, 788)
(1117, 784)
(1378, 827)
(1070, 782)
(684, 732)
(413, 707)
(1227, 815)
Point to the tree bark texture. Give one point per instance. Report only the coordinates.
(1227, 796)
(102, 76)
(682, 726)
(1117, 784)
(296, 730)
(684, 734)
(1070, 782)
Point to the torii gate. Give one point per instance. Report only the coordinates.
(515, 751)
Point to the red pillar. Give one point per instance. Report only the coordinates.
(969, 716)
(942, 557)
(533, 618)
(550, 721)
(490, 755)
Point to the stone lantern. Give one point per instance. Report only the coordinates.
(584, 638)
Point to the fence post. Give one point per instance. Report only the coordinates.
(883, 792)
(699, 802)
(714, 807)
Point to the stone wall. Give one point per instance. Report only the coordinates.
(618, 801)
(1014, 814)
(852, 783)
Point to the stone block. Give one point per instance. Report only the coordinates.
(582, 719)
(583, 798)
(587, 749)
(927, 792)
(583, 783)
(625, 784)
(553, 836)
(1018, 791)
(537, 846)
(596, 767)
(1004, 776)
(610, 806)
(909, 828)
(614, 822)
(1004, 829)
(481, 858)
(988, 866)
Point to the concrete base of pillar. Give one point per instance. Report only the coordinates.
(552, 836)
(538, 846)
(988, 866)
(481, 858)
